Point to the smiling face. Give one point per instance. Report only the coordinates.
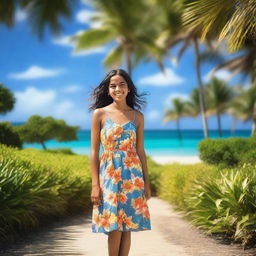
(118, 88)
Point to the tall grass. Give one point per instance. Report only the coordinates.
(36, 186)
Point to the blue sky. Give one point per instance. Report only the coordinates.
(48, 78)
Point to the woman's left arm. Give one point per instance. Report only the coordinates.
(141, 152)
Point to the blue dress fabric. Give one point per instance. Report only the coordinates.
(124, 205)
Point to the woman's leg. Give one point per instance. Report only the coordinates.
(114, 239)
(125, 243)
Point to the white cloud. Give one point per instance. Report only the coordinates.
(96, 50)
(170, 97)
(33, 101)
(20, 15)
(72, 89)
(35, 72)
(64, 41)
(162, 79)
(85, 16)
(221, 74)
(153, 115)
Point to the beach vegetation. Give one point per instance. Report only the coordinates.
(226, 204)
(37, 187)
(228, 152)
(220, 201)
(41, 129)
(9, 136)
(7, 100)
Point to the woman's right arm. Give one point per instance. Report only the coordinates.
(95, 146)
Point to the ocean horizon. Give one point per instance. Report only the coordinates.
(156, 142)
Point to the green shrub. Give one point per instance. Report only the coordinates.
(226, 204)
(227, 152)
(154, 172)
(8, 136)
(67, 151)
(37, 185)
(176, 181)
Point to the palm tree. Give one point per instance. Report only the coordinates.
(175, 113)
(219, 95)
(172, 36)
(123, 22)
(7, 100)
(231, 20)
(244, 106)
(41, 13)
(193, 105)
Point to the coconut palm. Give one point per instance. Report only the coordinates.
(219, 95)
(41, 13)
(232, 20)
(236, 25)
(175, 113)
(244, 106)
(122, 22)
(193, 104)
(171, 37)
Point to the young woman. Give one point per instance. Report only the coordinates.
(120, 183)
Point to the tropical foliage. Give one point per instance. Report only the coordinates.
(33, 190)
(41, 129)
(7, 100)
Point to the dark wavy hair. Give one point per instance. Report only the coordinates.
(100, 97)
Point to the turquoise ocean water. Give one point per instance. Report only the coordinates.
(157, 142)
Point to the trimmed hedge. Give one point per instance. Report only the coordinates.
(228, 152)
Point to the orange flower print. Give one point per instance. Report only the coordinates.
(138, 183)
(110, 171)
(120, 218)
(128, 186)
(141, 207)
(106, 219)
(96, 217)
(126, 145)
(112, 198)
(129, 223)
(118, 131)
(117, 176)
(128, 163)
(122, 198)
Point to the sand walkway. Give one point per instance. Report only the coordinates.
(170, 236)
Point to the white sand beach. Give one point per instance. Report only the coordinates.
(176, 159)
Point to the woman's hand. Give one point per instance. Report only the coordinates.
(96, 195)
(147, 191)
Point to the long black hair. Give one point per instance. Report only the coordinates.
(101, 98)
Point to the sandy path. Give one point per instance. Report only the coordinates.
(170, 236)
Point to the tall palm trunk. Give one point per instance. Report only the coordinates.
(219, 123)
(200, 88)
(178, 128)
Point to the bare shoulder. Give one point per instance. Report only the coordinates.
(98, 114)
(139, 117)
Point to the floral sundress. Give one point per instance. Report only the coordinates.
(124, 205)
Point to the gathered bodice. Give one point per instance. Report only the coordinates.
(116, 137)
